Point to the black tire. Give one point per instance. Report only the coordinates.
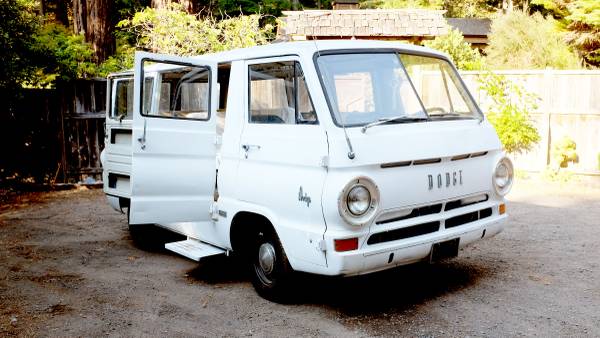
(272, 281)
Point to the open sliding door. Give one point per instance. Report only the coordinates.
(173, 164)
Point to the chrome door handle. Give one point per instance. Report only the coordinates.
(142, 140)
(247, 148)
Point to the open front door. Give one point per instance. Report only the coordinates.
(173, 165)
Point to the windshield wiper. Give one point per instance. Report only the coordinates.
(396, 119)
(449, 116)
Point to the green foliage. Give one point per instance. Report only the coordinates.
(598, 161)
(563, 152)
(509, 112)
(584, 29)
(585, 11)
(123, 59)
(557, 8)
(460, 51)
(36, 54)
(66, 56)
(18, 26)
(236, 8)
(519, 41)
(173, 31)
(389, 4)
(554, 175)
(468, 9)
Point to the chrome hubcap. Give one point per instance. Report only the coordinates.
(266, 257)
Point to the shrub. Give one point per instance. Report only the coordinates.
(173, 31)
(584, 27)
(509, 112)
(67, 56)
(550, 174)
(519, 41)
(461, 53)
(564, 151)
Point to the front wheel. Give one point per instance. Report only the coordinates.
(270, 269)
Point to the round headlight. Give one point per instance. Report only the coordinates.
(503, 176)
(358, 200)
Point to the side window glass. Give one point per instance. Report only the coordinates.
(122, 104)
(183, 92)
(278, 94)
(123, 99)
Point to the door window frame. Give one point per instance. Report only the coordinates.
(156, 86)
(112, 94)
(265, 60)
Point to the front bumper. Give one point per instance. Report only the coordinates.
(378, 257)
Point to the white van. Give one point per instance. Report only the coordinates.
(328, 157)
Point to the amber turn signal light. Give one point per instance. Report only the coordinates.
(502, 209)
(347, 244)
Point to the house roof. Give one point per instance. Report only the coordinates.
(364, 22)
(471, 27)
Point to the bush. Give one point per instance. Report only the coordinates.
(67, 56)
(17, 40)
(509, 112)
(564, 151)
(461, 53)
(174, 31)
(584, 27)
(519, 41)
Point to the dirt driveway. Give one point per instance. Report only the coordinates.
(69, 268)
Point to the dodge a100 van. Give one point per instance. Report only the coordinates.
(328, 157)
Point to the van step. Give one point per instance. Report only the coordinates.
(193, 249)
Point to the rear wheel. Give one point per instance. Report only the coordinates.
(270, 269)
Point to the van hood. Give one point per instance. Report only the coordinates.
(413, 165)
(394, 143)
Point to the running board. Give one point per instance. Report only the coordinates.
(193, 249)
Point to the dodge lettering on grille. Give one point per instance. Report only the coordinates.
(447, 179)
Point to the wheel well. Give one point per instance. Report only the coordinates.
(243, 225)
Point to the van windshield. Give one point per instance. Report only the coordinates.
(363, 88)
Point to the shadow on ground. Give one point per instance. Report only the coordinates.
(393, 290)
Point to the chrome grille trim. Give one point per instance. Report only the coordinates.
(431, 160)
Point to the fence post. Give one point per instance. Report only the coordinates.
(547, 106)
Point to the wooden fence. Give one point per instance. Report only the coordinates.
(57, 135)
(53, 135)
(568, 106)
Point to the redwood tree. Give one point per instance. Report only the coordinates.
(93, 18)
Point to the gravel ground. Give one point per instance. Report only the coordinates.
(68, 267)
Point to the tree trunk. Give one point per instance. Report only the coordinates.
(93, 19)
(62, 12)
(507, 6)
(189, 5)
(79, 16)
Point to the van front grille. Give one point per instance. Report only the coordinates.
(402, 233)
(468, 218)
(416, 212)
(431, 227)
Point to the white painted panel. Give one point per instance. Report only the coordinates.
(173, 167)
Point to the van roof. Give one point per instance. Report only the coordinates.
(312, 47)
(306, 48)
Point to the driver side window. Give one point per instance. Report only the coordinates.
(278, 94)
